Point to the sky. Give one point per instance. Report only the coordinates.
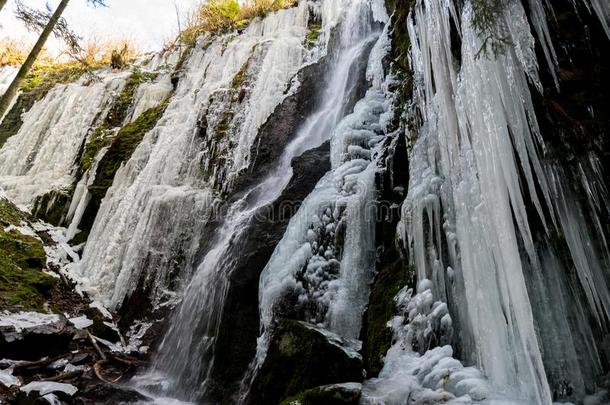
(147, 23)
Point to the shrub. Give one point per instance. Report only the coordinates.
(218, 16)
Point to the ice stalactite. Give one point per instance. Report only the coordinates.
(477, 185)
(602, 9)
(40, 157)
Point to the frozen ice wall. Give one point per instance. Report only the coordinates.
(40, 157)
(162, 198)
(477, 183)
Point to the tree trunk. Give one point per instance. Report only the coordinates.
(10, 93)
(2, 3)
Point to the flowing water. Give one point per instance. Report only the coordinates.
(196, 322)
(508, 247)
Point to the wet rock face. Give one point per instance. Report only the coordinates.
(301, 357)
(575, 119)
(236, 346)
(282, 125)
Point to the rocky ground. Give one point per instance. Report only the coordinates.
(55, 343)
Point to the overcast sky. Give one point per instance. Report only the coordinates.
(146, 22)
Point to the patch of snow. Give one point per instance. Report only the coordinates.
(8, 379)
(24, 320)
(47, 387)
(23, 229)
(81, 322)
(52, 399)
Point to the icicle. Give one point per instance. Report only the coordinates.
(479, 134)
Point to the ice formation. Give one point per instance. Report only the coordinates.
(163, 176)
(40, 157)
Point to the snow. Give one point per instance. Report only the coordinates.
(81, 322)
(26, 320)
(8, 379)
(48, 387)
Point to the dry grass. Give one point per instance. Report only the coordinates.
(95, 53)
(14, 52)
(218, 16)
(98, 52)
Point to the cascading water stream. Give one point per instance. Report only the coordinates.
(194, 327)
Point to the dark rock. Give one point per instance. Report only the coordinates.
(109, 394)
(335, 394)
(53, 206)
(34, 398)
(100, 327)
(236, 347)
(34, 342)
(301, 357)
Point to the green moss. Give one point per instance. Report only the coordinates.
(240, 77)
(104, 134)
(122, 147)
(392, 275)
(37, 84)
(10, 215)
(22, 283)
(284, 372)
(225, 123)
(100, 138)
(313, 33)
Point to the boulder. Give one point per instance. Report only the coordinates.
(32, 335)
(301, 357)
(110, 394)
(334, 394)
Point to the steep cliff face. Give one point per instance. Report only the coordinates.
(346, 201)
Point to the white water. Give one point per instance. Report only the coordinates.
(195, 325)
(308, 261)
(40, 157)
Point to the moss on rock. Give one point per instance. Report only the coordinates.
(22, 258)
(335, 394)
(122, 147)
(104, 134)
(297, 354)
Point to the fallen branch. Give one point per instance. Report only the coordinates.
(65, 376)
(97, 370)
(97, 347)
